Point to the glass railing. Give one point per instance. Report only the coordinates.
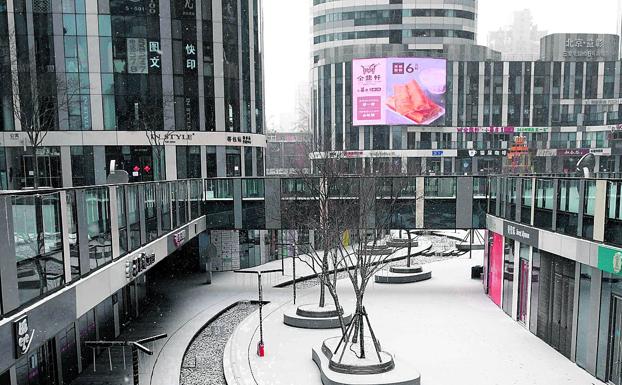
(144, 212)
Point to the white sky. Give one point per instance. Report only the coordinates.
(287, 39)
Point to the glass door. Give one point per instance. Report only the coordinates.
(615, 342)
(523, 289)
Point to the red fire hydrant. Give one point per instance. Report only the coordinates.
(260, 349)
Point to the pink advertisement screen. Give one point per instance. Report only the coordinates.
(398, 91)
(495, 274)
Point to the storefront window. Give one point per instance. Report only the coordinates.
(212, 170)
(613, 223)
(585, 315)
(535, 291)
(188, 162)
(508, 275)
(248, 161)
(69, 353)
(82, 166)
(234, 167)
(611, 291)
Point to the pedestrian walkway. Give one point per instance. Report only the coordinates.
(445, 327)
(178, 305)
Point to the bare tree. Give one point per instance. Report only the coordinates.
(41, 100)
(152, 120)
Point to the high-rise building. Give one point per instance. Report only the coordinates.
(520, 40)
(166, 89)
(386, 101)
(348, 29)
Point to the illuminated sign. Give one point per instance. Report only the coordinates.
(400, 91)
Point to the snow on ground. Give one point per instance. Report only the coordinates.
(445, 327)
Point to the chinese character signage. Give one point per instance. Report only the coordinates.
(190, 54)
(503, 130)
(137, 62)
(185, 8)
(588, 48)
(155, 57)
(243, 139)
(23, 336)
(405, 91)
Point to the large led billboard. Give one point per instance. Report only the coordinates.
(398, 91)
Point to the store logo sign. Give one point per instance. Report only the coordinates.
(179, 238)
(137, 265)
(23, 336)
(610, 260)
(522, 234)
(617, 262)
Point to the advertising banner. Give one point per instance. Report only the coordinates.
(495, 273)
(398, 91)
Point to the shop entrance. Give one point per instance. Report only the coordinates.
(39, 367)
(555, 306)
(615, 342)
(49, 170)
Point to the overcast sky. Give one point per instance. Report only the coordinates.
(287, 39)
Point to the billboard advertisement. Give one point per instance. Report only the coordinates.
(398, 91)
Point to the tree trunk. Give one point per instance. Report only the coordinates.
(409, 248)
(342, 323)
(35, 159)
(361, 336)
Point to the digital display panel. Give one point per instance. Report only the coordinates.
(398, 91)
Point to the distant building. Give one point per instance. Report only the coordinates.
(288, 153)
(519, 40)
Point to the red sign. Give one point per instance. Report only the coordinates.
(147, 169)
(136, 169)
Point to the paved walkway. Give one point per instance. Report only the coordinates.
(179, 305)
(446, 327)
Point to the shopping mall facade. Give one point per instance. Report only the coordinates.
(564, 105)
(185, 76)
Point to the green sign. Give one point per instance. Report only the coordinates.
(610, 260)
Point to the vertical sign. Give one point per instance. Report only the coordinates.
(155, 57)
